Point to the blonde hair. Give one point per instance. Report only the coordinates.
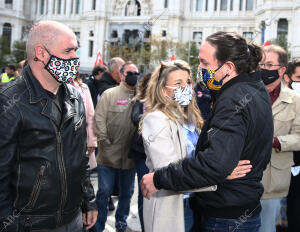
(155, 100)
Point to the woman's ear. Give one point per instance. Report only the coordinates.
(230, 68)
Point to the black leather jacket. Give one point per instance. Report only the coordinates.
(44, 179)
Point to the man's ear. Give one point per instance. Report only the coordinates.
(281, 71)
(286, 79)
(230, 67)
(40, 53)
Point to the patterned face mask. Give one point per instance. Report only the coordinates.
(63, 70)
(182, 95)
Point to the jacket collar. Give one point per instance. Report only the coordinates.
(37, 92)
(242, 77)
(285, 97)
(125, 89)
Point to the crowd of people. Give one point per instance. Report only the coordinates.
(219, 153)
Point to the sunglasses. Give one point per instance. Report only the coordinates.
(132, 73)
(166, 64)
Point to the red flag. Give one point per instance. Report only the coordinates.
(98, 59)
(267, 43)
(173, 58)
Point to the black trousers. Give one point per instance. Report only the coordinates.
(293, 204)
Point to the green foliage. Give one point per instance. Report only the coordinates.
(19, 51)
(148, 55)
(7, 56)
(281, 41)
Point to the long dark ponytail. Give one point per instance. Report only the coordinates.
(230, 46)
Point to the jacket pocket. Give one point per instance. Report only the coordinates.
(78, 124)
(36, 188)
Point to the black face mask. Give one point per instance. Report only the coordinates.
(131, 78)
(269, 76)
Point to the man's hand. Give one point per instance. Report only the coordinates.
(241, 170)
(89, 219)
(147, 185)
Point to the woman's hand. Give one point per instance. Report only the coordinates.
(241, 170)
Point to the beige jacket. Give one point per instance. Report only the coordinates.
(286, 114)
(113, 127)
(164, 143)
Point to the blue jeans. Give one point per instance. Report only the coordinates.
(188, 215)
(242, 224)
(106, 179)
(269, 214)
(141, 170)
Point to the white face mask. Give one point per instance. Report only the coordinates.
(296, 86)
(182, 95)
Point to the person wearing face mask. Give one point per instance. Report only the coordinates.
(114, 130)
(240, 127)
(170, 129)
(286, 115)
(292, 79)
(44, 172)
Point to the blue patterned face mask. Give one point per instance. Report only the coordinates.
(182, 95)
(208, 78)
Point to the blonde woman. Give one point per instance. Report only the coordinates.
(170, 130)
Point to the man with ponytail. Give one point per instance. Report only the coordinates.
(240, 127)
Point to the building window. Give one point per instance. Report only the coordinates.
(133, 8)
(94, 5)
(114, 34)
(166, 3)
(199, 5)
(248, 35)
(197, 35)
(164, 33)
(249, 5)
(65, 7)
(77, 6)
(216, 5)
(206, 5)
(282, 27)
(241, 5)
(6, 33)
(223, 5)
(59, 7)
(53, 7)
(9, 4)
(91, 33)
(42, 7)
(72, 6)
(231, 5)
(147, 34)
(91, 48)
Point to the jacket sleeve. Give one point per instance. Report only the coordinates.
(101, 112)
(90, 112)
(137, 112)
(10, 124)
(158, 143)
(290, 142)
(89, 200)
(226, 138)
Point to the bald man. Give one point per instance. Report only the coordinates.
(44, 178)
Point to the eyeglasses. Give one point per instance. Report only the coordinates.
(269, 66)
(132, 73)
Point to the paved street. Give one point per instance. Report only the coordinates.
(133, 219)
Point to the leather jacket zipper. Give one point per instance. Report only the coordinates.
(36, 188)
(79, 123)
(62, 170)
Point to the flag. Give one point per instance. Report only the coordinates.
(173, 58)
(98, 59)
(267, 43)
